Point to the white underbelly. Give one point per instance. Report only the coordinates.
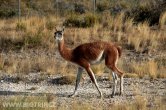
(98, 59)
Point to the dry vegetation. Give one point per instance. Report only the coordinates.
(49, 102)
(143, 46)
(28, 46)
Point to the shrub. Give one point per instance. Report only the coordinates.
(150, 13)
(87, 20)
(102, 6)
(79, 8)
(7, 13)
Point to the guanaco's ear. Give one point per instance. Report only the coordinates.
(63, 28)
(56, 29)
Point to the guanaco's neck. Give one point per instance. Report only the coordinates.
(65, 52)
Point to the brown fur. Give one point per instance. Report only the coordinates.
(83, 54)
(65, 52)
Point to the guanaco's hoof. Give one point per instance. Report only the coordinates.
(72, 95)
(112, 95)
(101, 97)
(120, 94)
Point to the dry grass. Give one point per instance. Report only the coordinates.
(26, 35)
(162, 21)
(36, 34)
(145, 68)
(26, 65)
(27, 102)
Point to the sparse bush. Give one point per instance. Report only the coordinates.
(102, 6)
(7, 13)
(79, 8)
(148, 12)
(142, 14)
(87, 20)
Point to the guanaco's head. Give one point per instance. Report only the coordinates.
(58, 35)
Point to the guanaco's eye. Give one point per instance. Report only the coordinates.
(60, 33)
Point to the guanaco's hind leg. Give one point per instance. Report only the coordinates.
(115, 78)
(110, 62)
(120, 74)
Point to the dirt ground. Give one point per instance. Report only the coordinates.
(145, 88)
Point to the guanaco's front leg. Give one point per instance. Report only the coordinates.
(79, 75)
(92, 76)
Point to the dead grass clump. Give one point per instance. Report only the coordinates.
(117, 22)
(131, 75)
(10, 65)
(120, 106)
(162, 73)
(43, 64)
(145, 40)
(140, 103)
(162, 21)
(153, 69)
(70, 79)
(160, 103)
(2, 60)
(145, 68)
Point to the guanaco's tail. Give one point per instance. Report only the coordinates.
(119, 51)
